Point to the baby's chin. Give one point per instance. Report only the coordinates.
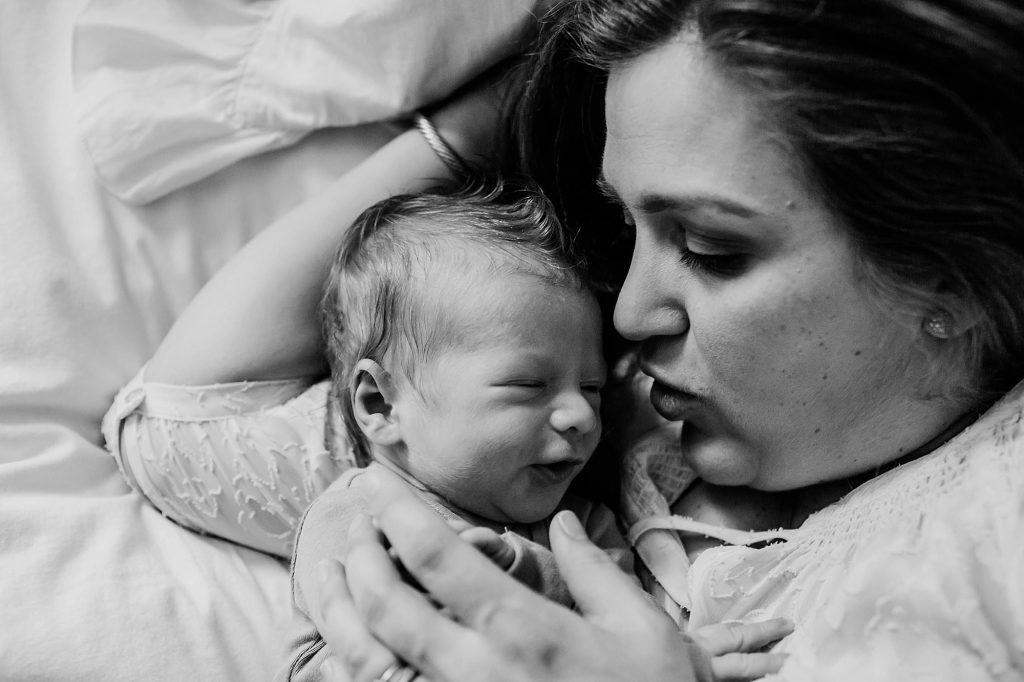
(525, 514)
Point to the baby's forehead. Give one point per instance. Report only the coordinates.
(505, 290)
(485, 255)
(473, 294)
(508, 312)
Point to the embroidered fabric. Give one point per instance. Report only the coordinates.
(916, 574)
(241, 461)
(653, 476)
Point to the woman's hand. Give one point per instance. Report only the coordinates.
(498, 629)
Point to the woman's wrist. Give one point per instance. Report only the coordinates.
(469, 122)
(452, 160)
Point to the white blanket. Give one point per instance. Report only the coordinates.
(94, 584)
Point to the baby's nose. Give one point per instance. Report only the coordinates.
(575, 413)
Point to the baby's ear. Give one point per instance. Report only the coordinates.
(373, 393)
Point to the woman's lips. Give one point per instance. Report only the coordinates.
(673, 404)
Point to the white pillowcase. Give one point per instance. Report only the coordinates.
(170, 91)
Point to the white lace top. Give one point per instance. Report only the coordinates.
(917, 574)
(240, 461)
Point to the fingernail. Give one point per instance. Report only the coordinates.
(571, 525)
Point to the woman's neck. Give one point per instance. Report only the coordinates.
(816, 497)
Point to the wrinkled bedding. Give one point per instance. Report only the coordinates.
(96, 585)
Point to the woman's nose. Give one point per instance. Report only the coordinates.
(650, 302)
(574, 413)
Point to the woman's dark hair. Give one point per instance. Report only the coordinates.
(908, 115)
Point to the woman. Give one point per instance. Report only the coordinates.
(825, 282)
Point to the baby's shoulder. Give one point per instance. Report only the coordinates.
(336, 507)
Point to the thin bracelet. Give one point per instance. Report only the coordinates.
(449, 157)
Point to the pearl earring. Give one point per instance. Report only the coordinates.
(939, 325)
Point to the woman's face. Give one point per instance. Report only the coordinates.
(744, 291)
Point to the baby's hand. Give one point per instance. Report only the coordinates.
(487, 541)
(735, 647)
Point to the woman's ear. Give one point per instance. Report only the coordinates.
(950, 318)
(373, 394)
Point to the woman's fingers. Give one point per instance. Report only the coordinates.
(739, 637)
(362, 658)
(614, 601)
(373, 596)
(499, 630)
(452, 571)
(403, 617)
(603, 592)
(504, 631)
(744, 667)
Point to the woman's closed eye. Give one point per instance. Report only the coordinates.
(723, 266)
(717, 261)
(705, 253)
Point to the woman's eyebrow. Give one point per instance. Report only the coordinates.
(656, 203)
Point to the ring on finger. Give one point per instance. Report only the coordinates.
(396, 672)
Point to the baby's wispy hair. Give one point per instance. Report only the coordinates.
(378, 302)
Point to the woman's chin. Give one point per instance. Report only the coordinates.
(719, 460)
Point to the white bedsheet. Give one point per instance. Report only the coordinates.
(94, 584)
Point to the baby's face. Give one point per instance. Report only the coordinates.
(501, 426)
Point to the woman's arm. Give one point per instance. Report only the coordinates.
(257, 318)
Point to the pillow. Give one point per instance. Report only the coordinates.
(170, 91)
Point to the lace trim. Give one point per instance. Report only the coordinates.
(686, 524)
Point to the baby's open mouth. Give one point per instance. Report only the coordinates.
(557, 471)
